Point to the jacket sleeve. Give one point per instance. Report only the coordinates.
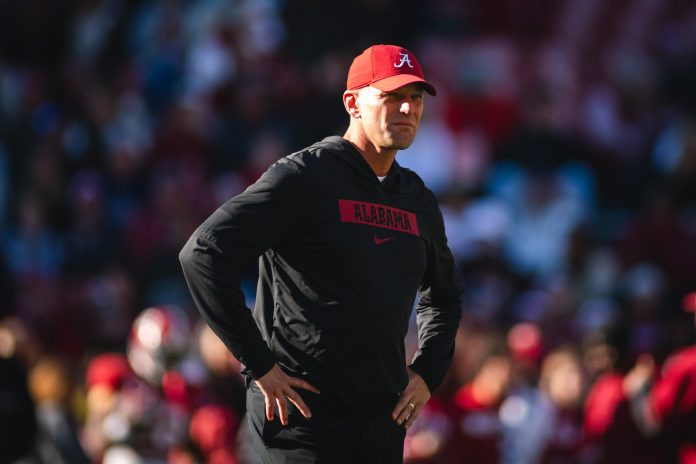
(438, 311)
(230, 240)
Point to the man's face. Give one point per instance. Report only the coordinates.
(390, 119)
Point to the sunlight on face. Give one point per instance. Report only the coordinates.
(566, 385)
(390, 120)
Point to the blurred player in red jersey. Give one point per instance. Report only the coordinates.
(477, 431)
(668, 408)
(608, 423)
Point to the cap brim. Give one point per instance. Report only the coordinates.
(399, 80)
(689, 303)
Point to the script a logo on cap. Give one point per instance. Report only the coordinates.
(404, 59)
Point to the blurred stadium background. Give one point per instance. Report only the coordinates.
(561, 145)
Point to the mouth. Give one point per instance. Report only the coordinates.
(403, 125)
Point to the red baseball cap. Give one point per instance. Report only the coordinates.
(110, 369)
(526, 342)
(386, 67)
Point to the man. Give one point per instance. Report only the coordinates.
(347, 238)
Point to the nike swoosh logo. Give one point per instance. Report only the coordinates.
(379, 241)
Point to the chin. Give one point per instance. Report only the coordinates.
(403, 144)
(399, 143)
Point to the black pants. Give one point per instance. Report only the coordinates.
(331, 436)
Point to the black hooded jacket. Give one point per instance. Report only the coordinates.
(343, 256)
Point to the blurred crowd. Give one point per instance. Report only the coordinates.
(561, 146)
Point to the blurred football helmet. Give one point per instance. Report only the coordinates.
(158, 340)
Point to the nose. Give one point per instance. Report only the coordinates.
(405, 107)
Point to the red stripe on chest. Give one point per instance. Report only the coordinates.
(377, 215)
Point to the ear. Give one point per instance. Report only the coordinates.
(350, 102)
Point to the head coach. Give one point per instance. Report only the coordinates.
(346, 239)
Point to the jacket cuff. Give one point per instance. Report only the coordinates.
(258, 362)
(430, 380)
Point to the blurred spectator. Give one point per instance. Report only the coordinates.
(474, 413)
(564, 384)
(609, 426)
(667, 409)
(214, 430)
(224, 383)
(525, 411)
(428, 437)
(105, 377)
(51, 386)
(18, 424)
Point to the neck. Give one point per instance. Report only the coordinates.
(380, 159)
